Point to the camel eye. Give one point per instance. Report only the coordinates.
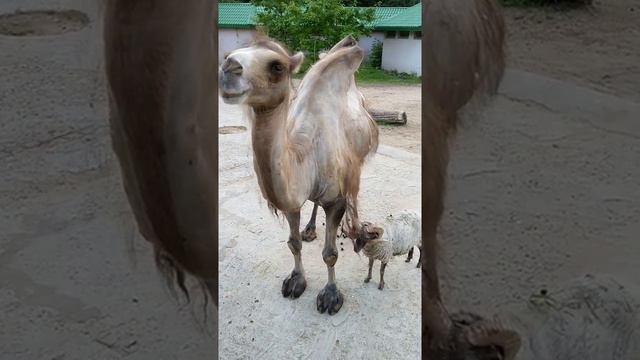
(277, 68)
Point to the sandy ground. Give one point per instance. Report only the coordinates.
(543, 189)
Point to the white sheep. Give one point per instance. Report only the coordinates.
(397, 236)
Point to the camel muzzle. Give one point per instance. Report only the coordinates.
(231, 84)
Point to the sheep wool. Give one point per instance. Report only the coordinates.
(401, 234)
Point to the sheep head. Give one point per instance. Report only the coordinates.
(366, 233)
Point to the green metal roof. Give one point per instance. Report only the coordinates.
(236, 15)
(383, 13)
(407, 20)
(242, 15)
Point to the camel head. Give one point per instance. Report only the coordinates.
(258, 75)
(472, 337)
(366, 233)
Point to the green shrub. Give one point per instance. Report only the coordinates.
(375, 56)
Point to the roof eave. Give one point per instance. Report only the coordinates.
(399, 28)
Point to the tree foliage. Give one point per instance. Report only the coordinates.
(312, 25)
(386, 3)
(361, 3)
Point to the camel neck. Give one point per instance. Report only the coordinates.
(268, 142)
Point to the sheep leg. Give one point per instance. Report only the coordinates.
(410, 255)
(309, 232)
(381, 286)
(330, 298)
(370, 268)
(419, 257)
(295, 284)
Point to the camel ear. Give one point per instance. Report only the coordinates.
(296, 62)
(507, 340)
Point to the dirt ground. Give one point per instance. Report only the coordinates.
(597, 47)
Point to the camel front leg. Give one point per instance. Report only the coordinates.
(295, 284)
(309, 232)
(330, 299)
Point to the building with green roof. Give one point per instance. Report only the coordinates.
(397, 28)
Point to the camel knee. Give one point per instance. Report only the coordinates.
(330, 256)
(295, 245)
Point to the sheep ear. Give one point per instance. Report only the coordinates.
(484, 336)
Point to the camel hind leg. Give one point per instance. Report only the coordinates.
(295, 284)
(330, 299)
(309, 232)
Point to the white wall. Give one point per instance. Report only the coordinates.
(232, 39)
(402, 55)
(366, 43)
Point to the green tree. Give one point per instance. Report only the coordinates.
(386, 3)
(312, 25)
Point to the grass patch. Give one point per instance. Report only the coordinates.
(368, 75)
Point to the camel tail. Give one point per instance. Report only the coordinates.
(464, 54)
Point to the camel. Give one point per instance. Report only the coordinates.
(160, 57)
(310, 146)
(464, 62)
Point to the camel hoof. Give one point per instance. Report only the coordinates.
(367, 280)
(308, 234)
(419, 264)
(408, 260)
(329, 299)
(381, 286)
(294, 285)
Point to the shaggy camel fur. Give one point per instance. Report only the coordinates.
(160, 59)
(464, 61)
(310, 146)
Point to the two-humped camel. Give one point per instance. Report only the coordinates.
(161, 62)
(310, 146)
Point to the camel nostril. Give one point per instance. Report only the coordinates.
(232, 66)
